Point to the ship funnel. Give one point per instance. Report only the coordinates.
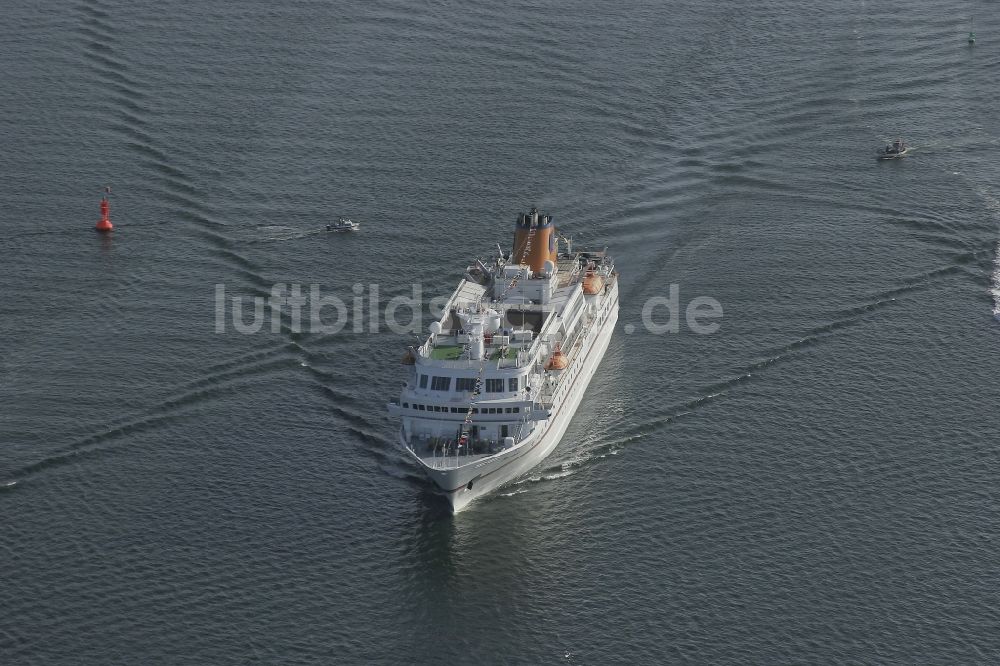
(534, 240)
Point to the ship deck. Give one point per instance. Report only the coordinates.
(453, 352)
(452, 461)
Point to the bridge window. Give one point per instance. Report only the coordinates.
(423, 381)
(494, 386)
(465, 384)
(441, 384)
(513, 384)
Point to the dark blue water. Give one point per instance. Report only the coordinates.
(815, 482)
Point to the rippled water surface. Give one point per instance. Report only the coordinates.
(816, 482)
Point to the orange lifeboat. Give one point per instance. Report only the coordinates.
(593, 283)
(558, 360)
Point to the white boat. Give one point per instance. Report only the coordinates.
(493, 388)
(897, 149)
(343, 224)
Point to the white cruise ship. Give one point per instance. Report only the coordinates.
(493, 388)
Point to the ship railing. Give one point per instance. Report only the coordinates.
(519, 360)
(445, 452)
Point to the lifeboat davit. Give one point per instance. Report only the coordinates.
(558, 360)
(593, 283)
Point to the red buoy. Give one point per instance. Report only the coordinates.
(105, 222)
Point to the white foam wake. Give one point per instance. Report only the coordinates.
(995, 283)
(993, 205)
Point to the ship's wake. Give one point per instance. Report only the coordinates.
(985, 251)
(992, 206)
(995, 284)
(224, 379)
(271, 233)
(630, 426)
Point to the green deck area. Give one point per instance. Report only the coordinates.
(447, 353)
(511, 353)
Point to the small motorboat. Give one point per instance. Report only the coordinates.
(343, 224)
(897, 149)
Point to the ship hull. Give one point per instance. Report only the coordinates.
(462, 485)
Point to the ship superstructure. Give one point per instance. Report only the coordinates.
(491, 391)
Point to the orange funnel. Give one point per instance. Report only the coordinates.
(534, 240)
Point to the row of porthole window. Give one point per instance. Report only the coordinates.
(468, 384)
(460, 410)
